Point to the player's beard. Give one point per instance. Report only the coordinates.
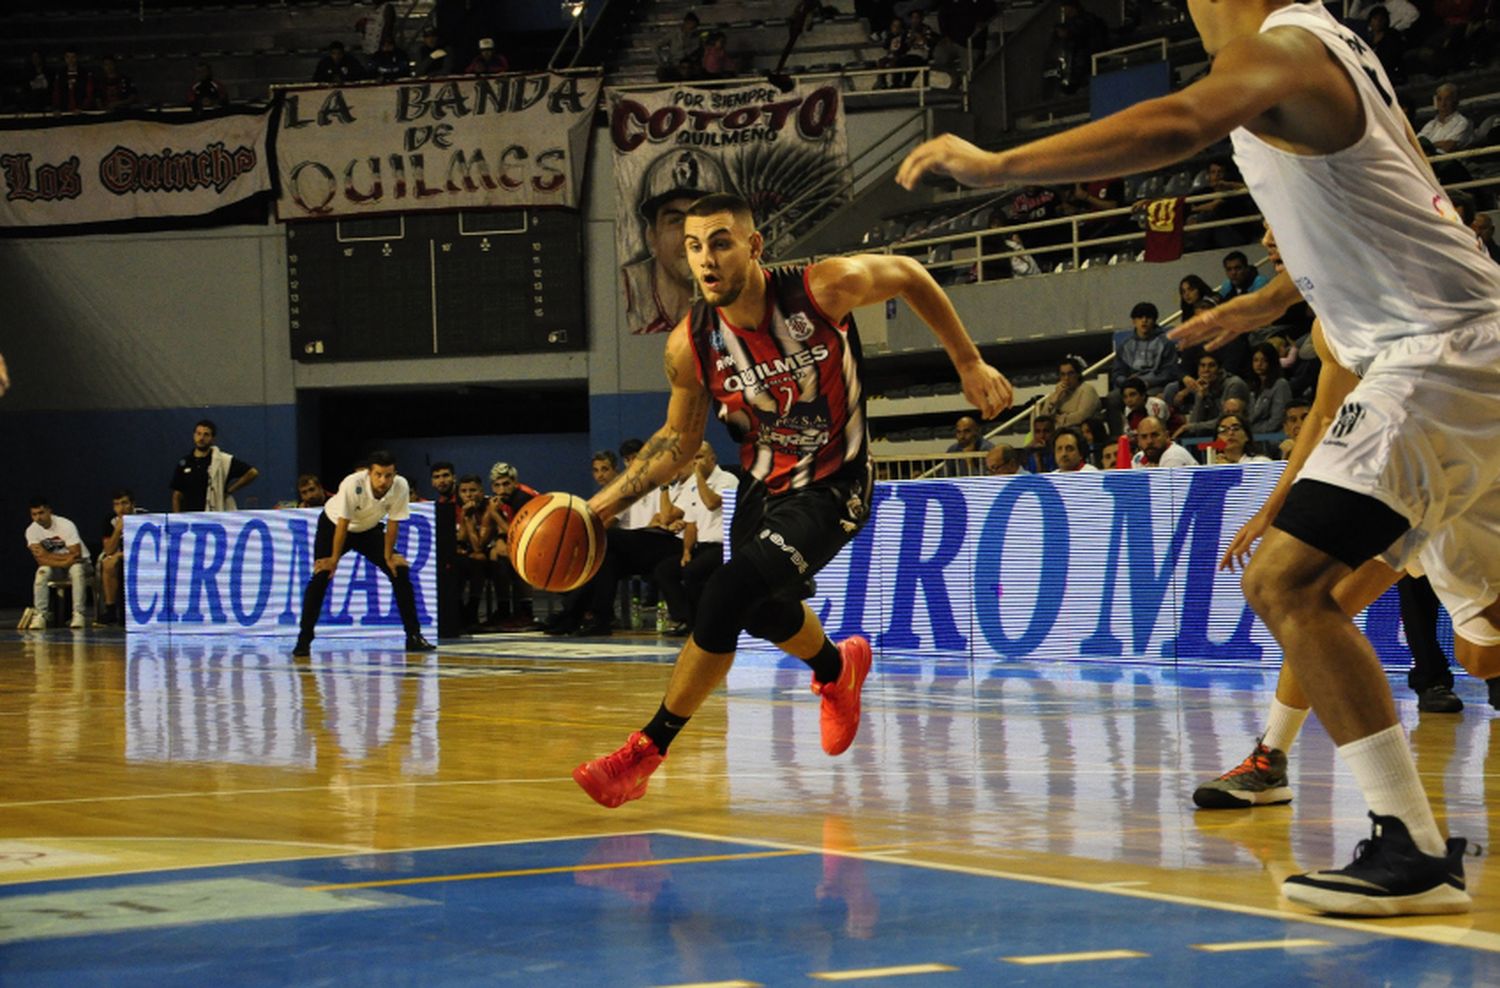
(728, 291)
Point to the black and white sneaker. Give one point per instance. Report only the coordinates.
(1389, 876)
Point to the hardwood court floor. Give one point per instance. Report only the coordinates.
(203, 811)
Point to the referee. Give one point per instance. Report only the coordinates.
(351, 519)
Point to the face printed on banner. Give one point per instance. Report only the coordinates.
(724, 251)
(664, 239)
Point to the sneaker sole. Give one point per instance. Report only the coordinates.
(1206, 798)
(1443, 900)
(589, 784)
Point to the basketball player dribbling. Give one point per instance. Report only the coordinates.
(776, 353)
(1410, 469)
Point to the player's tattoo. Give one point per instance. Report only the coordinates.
(671, 367)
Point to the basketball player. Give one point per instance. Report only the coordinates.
(775, 355)
(351, 520)
(1409, 303)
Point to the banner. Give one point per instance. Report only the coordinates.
(1118, 565)
(245, 572)
(478, 142)
(131, 169)
(673, 145)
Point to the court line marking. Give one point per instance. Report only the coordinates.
(87, 876)
(882, 972)
(715, 984)
(1074, 958)
(1234, 945)
(218, 793)
(1446, 936)
(555, 870)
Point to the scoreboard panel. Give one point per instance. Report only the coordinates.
(436, 284)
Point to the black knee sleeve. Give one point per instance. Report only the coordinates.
(734, 592)
(776, 620)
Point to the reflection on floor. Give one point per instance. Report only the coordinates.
(208, 811)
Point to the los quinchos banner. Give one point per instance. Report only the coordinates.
(780, 151)
(121, 170)
(479, 142)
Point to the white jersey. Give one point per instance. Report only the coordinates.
(356, 501)
(1374, 244)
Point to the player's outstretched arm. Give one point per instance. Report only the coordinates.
(842, 284)
(1334, 385)
(1250, 76)
(1240, 315)
(674, 444)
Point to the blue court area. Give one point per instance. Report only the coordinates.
(662, 909)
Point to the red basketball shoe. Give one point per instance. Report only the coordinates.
(839, 717)
(621, 776)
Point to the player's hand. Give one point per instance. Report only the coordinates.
(687, 556)
(1237, 556)
(395, 560)
(1217, 326)
(325, 565)
(946, 155)
(4, 376)
(985, 388)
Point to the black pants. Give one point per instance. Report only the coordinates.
(371, 545)
(683, 585)
(628, 552)
(1419, 615)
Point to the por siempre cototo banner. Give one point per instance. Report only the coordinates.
(475, 142)
(120, 170)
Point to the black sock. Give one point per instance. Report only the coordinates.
(664, 728)
(828, 664)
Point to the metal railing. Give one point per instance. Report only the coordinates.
(577, 29)
(1127, 49)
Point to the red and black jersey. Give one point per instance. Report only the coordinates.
(788, 390)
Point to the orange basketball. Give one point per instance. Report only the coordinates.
(556, 542)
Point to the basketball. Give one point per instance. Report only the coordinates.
(556, 542)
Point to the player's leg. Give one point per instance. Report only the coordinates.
(1323, 532)
(317, 588)
(1261, 779)
(838, 671)
(1430, 677)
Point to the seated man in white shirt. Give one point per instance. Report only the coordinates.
(351, 520)
(59, 554)
(681, 579)
(1067, 450)
(1449, 130)
(1157, 448)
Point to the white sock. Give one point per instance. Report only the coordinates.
(1283, 726)
(1387, 775)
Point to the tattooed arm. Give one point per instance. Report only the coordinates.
(674, 444)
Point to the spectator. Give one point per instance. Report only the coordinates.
(1096, 443)
(59, 554)
(488, 61)
(1217, 179)
(1146, 355)
(73, 89)
(680, 52)
(1269, 391)
(1291, 424)
(681, 579)
(606, 467)
(390, 62)
(1238, 442)
(510, 496)
(1484, 228)
(310, 491)
(920, 38)
(36, 94)
(1156, 449)
(206, 92)
(432, 58)
(338, 67)
(476, 538)
(1194, 296)
(1002, 461)
(1203, 397)
(1069, 452)
(206, 479)
(112, 557)
(451, 567)
(966, 439)
(1072, 401)
(1400, 14)
(116, 91)
(717, 63)
(1388, 43)
(895, 54)
(1037, 456)
(1449, 130)
(1239, 277)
